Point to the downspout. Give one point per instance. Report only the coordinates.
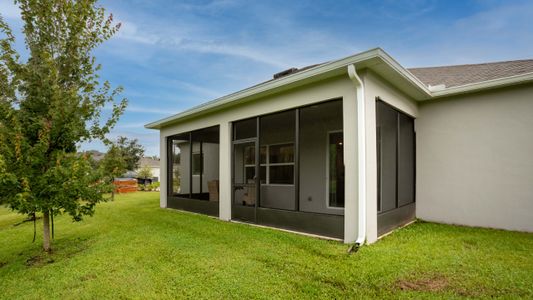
(361, 154)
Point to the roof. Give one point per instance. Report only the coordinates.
(419, 83)
(458, 75)
(148, 161)
(95, 155)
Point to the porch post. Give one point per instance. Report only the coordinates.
(225, 172)
(163, 173)
(349, 114)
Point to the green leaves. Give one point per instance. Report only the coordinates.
(74, 185)
(50, 103)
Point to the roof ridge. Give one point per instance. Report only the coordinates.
(465, 65)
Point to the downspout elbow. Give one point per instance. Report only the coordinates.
(361, 154)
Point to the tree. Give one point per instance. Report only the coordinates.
(145, 173)
(113, 165)
(50, 103)
(131, 151)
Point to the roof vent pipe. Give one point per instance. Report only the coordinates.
(285, 73)
(435, 88)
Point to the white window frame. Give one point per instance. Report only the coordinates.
(267, 165)
(327, 169)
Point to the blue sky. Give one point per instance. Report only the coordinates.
(172, 55)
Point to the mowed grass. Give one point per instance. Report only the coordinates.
(133, 249)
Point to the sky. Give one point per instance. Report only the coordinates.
(172, 55)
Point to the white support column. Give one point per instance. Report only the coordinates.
(163, 171)
(371, 171)
(225, 172)
(349, 115)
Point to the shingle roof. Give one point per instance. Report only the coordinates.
(148, 161)
(465, 74)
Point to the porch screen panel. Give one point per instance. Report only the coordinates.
(277, 146)
(387, 130)
(179, 174)
(245, 129)
(194, 164)
(321, 158)
(205, 164)
(406, 160)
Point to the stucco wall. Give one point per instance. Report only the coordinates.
(475, 159)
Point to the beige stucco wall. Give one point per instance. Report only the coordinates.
(375, 87)
(475, 159)
(338, 87)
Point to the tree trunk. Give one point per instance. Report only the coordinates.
(46, 231)
(113, 191)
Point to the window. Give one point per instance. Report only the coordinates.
(335, 170)
(277, 164)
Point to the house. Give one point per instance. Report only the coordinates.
(96, 155)
(356, 147)
(153, 164)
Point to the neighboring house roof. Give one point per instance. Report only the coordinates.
(129, 174)
(377, 60)
(95, 155)
(148, 161)
(458, 75)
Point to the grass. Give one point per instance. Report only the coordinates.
(133, 249)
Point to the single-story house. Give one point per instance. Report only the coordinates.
(153, 164)
(356, 147)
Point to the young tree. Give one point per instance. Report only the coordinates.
(131, 151)
(50, 103)
(145, 173)
(113, 165)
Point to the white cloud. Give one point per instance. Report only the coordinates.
(129, 31)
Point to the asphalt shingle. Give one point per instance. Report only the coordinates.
(465, 74)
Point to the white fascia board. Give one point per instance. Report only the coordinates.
(484, 85)
(258, 90)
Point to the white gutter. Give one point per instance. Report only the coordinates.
(297, 77)
(361, 154)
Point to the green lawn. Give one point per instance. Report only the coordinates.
(133, 249)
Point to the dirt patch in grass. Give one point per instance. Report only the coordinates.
(441, 283)
(58, 254)
(88, 277)
(2, 264)
(39, 260)
(432, 283)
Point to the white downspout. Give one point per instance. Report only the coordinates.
(361, 154)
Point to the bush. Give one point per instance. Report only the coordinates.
(150, 187)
